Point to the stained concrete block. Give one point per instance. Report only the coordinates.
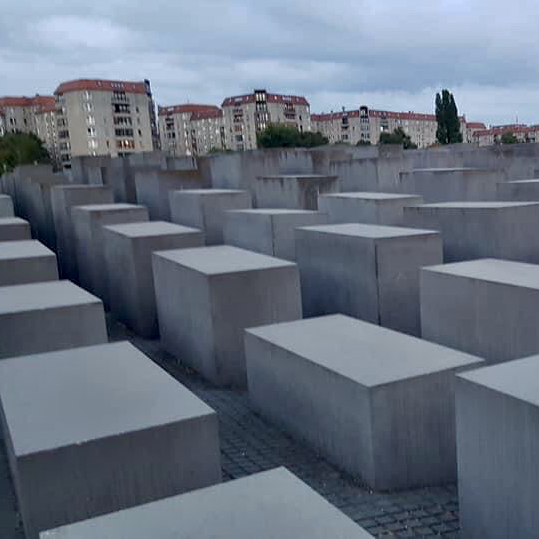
(14, 228)
(363, 207)
(105, 429)
(53, 315)
(238, 509)
(26, 261)
(451, 184)
(63, 198)
(295, 191)
(473, 230)
(269, 231)
(128, 254)
(367, 271)
(521, 190)
(497, 416)
(6, 206)
(486, 307)
(377, 403)
(205, 209)
(207, 296)
(88, 222)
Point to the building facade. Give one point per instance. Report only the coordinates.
(46, 129)
(247, 115)
(471, 128)
(104, 117)
(493, 135)
(191, 129)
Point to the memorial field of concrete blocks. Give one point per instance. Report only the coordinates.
(337, 342)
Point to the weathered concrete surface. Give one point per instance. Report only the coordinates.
(63, 198)
(269, 231)
(207, 296)
(276, 496)
(498, 444)
(294, 191)
(81, 164)
(365, 207)
(377, 403)
(366, 271)
(88, 222)
(26, 261)
(144, 436)
(205, 209)
(487, 307)
(14, 228)
(482, 229)
(128, 255)
(519, 190)
(55, 315)
(6, 206)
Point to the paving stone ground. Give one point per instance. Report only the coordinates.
(249, 444)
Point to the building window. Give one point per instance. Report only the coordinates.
(90, 120)
(91, 131)
(92, 144)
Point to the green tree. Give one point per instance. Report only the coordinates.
(21, 149)
(447, 117)
(509, 138)
(288, 136)
(397, 137)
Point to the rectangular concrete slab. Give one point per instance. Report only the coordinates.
(473, 230)
(364, 207)
(497, 421)
(207, 296)
(294, 510)
(14, 229)
(366, 271)
(485, 307)
(205, 209)
(128, 252)
(26, 261)
(377, 403)
(6, 206)
(143, 436)
(269, 231)
(521, 190)
(41, 317)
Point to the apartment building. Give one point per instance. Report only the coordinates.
(471, 128)
(246, 115)
(493, 135)
(46, 129)
(19, 113)
(191, 129)
(104, 117)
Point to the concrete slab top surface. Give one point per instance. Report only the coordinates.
(150, 228)
(494, 270)
(297, 176)
(365, 353)
(531, 180)
(220, 259)
(518, 378)
(46, 295)
(12, 221)
(10, 250)
(368, 231)
(4, 197)
(444, 170)
(106, 207)
(85, 187)
(208, 192)
(72, 396)
(476, 205)
(268, 505)
(276, 211)
(368, 195)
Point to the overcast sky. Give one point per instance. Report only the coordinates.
(387, 54)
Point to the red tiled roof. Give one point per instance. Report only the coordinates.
(205, 114)
(271, 98)
(475, 125)
(187, 107)
(44, 103)
(101, 85)
(377, 114)
(501, 129)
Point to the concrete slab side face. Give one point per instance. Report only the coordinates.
(6, 206)
(14, 229)
(249, 231)
(145, 436)
(523, 190)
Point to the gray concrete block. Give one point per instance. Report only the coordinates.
(269, 231)
(377, 403)
(451, 184)
(88, 222)
(295, 191)
(14, 228)
(473, 230)
(521, 190)
(207, 296)
(105, 429)
(63, 198)
(497, 417)
(54, 315)
(363, 207)
(26, 261)
(205, 209)
(128, 254)
(366, 271)
(6, 206)
(240, 509)
(486, 307)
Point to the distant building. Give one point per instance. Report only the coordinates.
(471, 128)
(46, 129)
(104, 117)
(191, 129)
(494, 134)
(247, 115)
